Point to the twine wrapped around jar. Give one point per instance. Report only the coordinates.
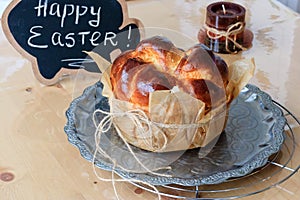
(230, 35)
(225, 27)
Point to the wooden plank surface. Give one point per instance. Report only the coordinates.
(36, 160)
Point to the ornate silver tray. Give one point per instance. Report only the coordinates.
(254, 131)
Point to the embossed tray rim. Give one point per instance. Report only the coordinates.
(258, 161)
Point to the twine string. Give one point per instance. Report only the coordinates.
(140, 120)
(113, 180)
(138, 117)
(144, 124)
(232, 30)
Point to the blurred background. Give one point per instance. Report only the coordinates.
(293, 4)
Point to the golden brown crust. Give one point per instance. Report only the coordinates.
(200, 63)
(161, 52)
(156, 64)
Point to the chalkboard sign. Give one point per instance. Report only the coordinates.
(53, 34)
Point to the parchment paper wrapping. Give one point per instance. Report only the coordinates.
(176, 120)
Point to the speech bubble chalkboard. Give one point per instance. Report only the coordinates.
(53, 34)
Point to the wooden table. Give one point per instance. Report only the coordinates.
(37, 161)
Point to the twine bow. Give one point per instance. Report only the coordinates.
(140, 120)
(232, 30)
(144, 125)
(138, 117)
